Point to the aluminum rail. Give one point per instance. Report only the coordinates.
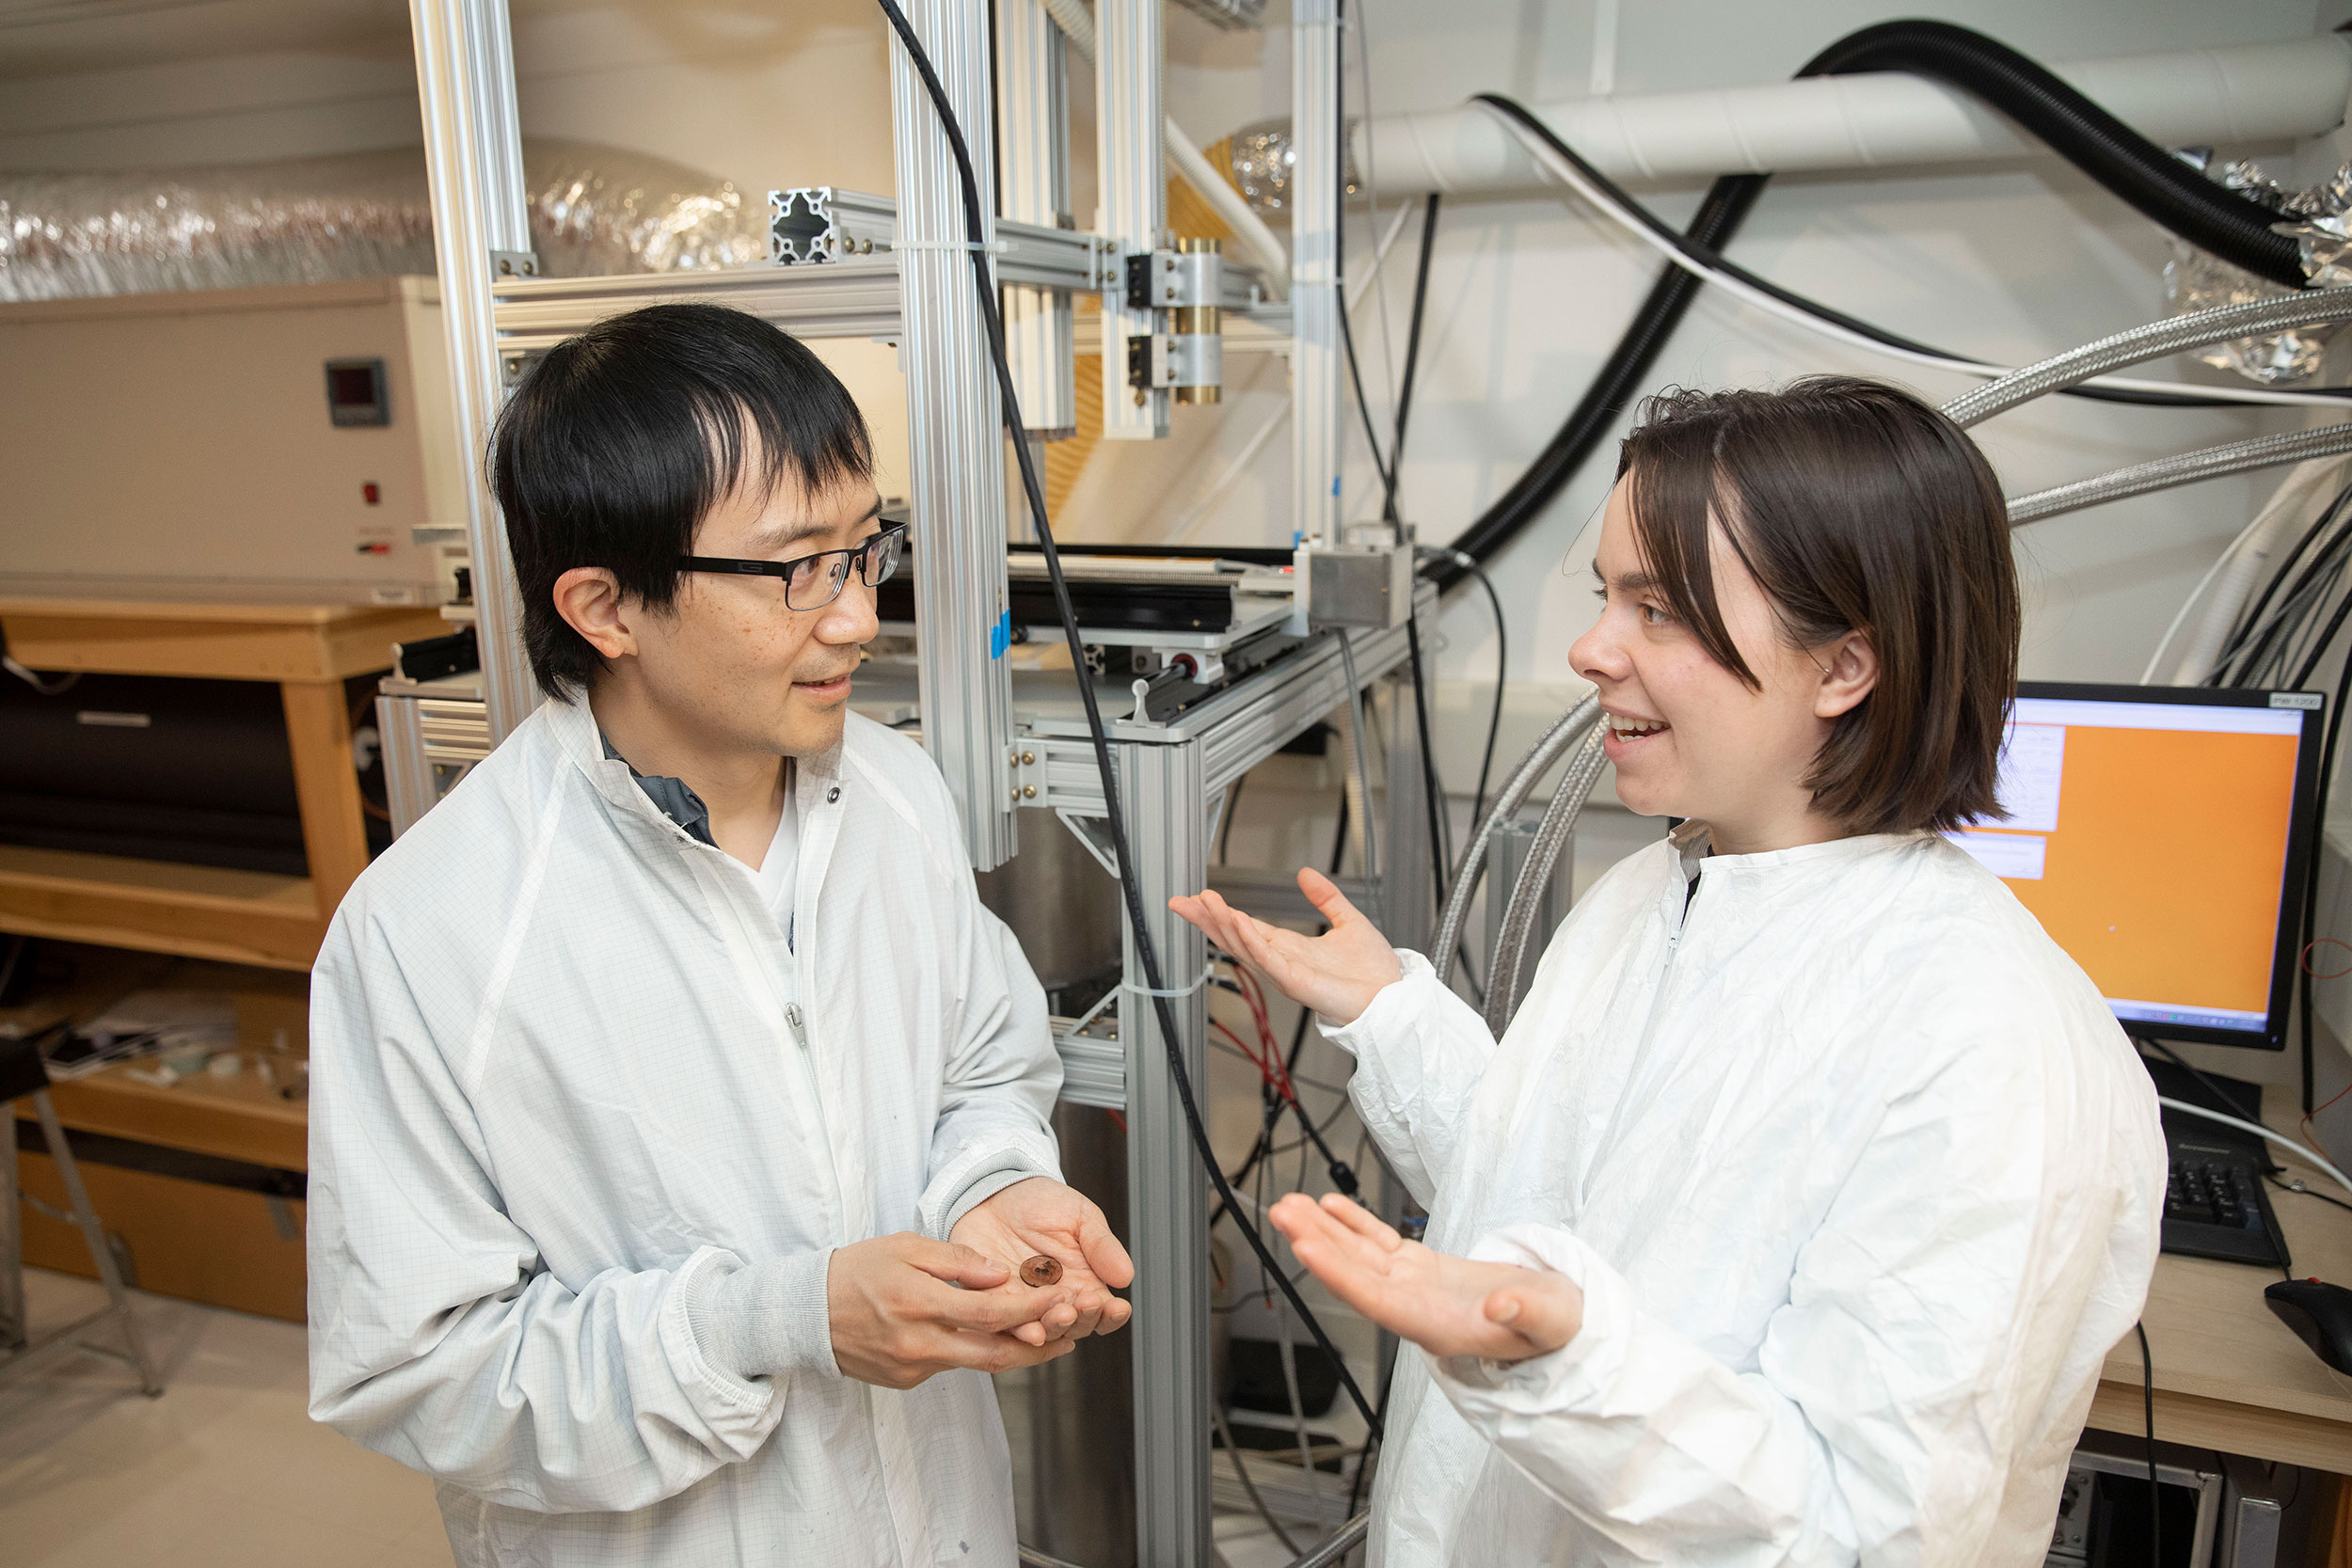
(1315, 304)
(1131, 183)
(2148, 342)
(1508, 962)
(1033, 186)
(1078, 25)
(1566, 732)
(2183, 468)
(955, 430)
(481, 225)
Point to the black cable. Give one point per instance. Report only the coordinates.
(1708, 256)
(2327, 518)
(2124, 163)
(1503, 670)
(2148, 1404)
(1363, 410)
(2146, 177)
(2259, 642)
(1233, 809)
(1147, 953)
(1613, 388)
(2221, 1103)
(1412, 358)
(2310, 885)
(1432, 796)
(2251, 622)
(2304, 1188)
(2319, 649)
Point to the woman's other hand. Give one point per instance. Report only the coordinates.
(1447, 1305)
(1337, 973)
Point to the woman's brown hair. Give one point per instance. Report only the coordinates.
(1856, 507)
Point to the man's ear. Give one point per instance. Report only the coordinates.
(589, 599)
(1850, 671)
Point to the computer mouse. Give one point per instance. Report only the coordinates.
(2321, 1316)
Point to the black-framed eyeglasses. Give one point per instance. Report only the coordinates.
(814, 581)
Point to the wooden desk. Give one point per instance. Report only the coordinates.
(240, 916)
(2229, 1375)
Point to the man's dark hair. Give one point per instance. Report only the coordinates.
(619, 441)
(1856, 507)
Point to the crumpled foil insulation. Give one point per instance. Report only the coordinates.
(1263, 158)
(594, 211)
(2319, 218)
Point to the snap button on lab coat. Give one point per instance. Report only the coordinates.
(831, 794)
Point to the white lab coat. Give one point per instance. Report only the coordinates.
(555, 1094)
(1860, 1182)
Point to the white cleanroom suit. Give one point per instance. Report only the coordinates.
(568, 1075)
(1860, 1182)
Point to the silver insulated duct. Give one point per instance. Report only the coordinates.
(594, 211)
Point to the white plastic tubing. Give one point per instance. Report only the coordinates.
(2248, 93)
(1078, 25)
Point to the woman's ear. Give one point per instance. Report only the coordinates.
(589, 599)
(1850, 670)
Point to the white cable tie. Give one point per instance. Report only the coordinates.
(1179, 993)
(993, 247)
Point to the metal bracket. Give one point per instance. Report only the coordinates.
(1087, 832)
(1172, 279)
(813, 224)
(1028, 777)
(1175, 359)
(513, 263)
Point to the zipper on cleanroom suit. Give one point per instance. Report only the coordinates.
(800, 1062)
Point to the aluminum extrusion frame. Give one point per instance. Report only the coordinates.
(955, 428)
(1314, 296)
(481, 221)
(1131, 171)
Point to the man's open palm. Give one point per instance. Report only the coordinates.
(1042, 1218)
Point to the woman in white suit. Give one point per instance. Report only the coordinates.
(1790, 1220)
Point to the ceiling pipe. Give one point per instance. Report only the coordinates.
(2246, 94)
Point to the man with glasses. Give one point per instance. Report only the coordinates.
(679, 1115)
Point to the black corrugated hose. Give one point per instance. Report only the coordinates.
(2127, 164)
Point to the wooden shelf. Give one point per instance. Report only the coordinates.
(2229, 1375)
(306, 650)
(235, 1118)
(247, 917)
(223, 642)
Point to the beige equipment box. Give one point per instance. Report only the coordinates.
(258, 444)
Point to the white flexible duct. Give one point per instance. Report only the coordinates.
(1273, 257)
(2254, 92)
(2250, 559)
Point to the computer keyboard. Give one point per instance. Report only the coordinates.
(2215, 1207)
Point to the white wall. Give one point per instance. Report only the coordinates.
(1526, 296)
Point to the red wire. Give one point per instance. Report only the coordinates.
(2305, 960)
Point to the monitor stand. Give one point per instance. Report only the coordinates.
(2244, 1101)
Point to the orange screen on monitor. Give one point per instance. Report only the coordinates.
(2150, 841)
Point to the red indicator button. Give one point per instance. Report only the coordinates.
(370, 493)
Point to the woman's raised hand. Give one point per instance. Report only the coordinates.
(1337, 973)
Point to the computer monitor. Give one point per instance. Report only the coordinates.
(2162, 835)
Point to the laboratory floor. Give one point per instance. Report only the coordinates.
(226, 1467)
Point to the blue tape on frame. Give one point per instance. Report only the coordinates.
(1000, 636)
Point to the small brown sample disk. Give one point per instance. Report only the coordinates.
(1041, 1271)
